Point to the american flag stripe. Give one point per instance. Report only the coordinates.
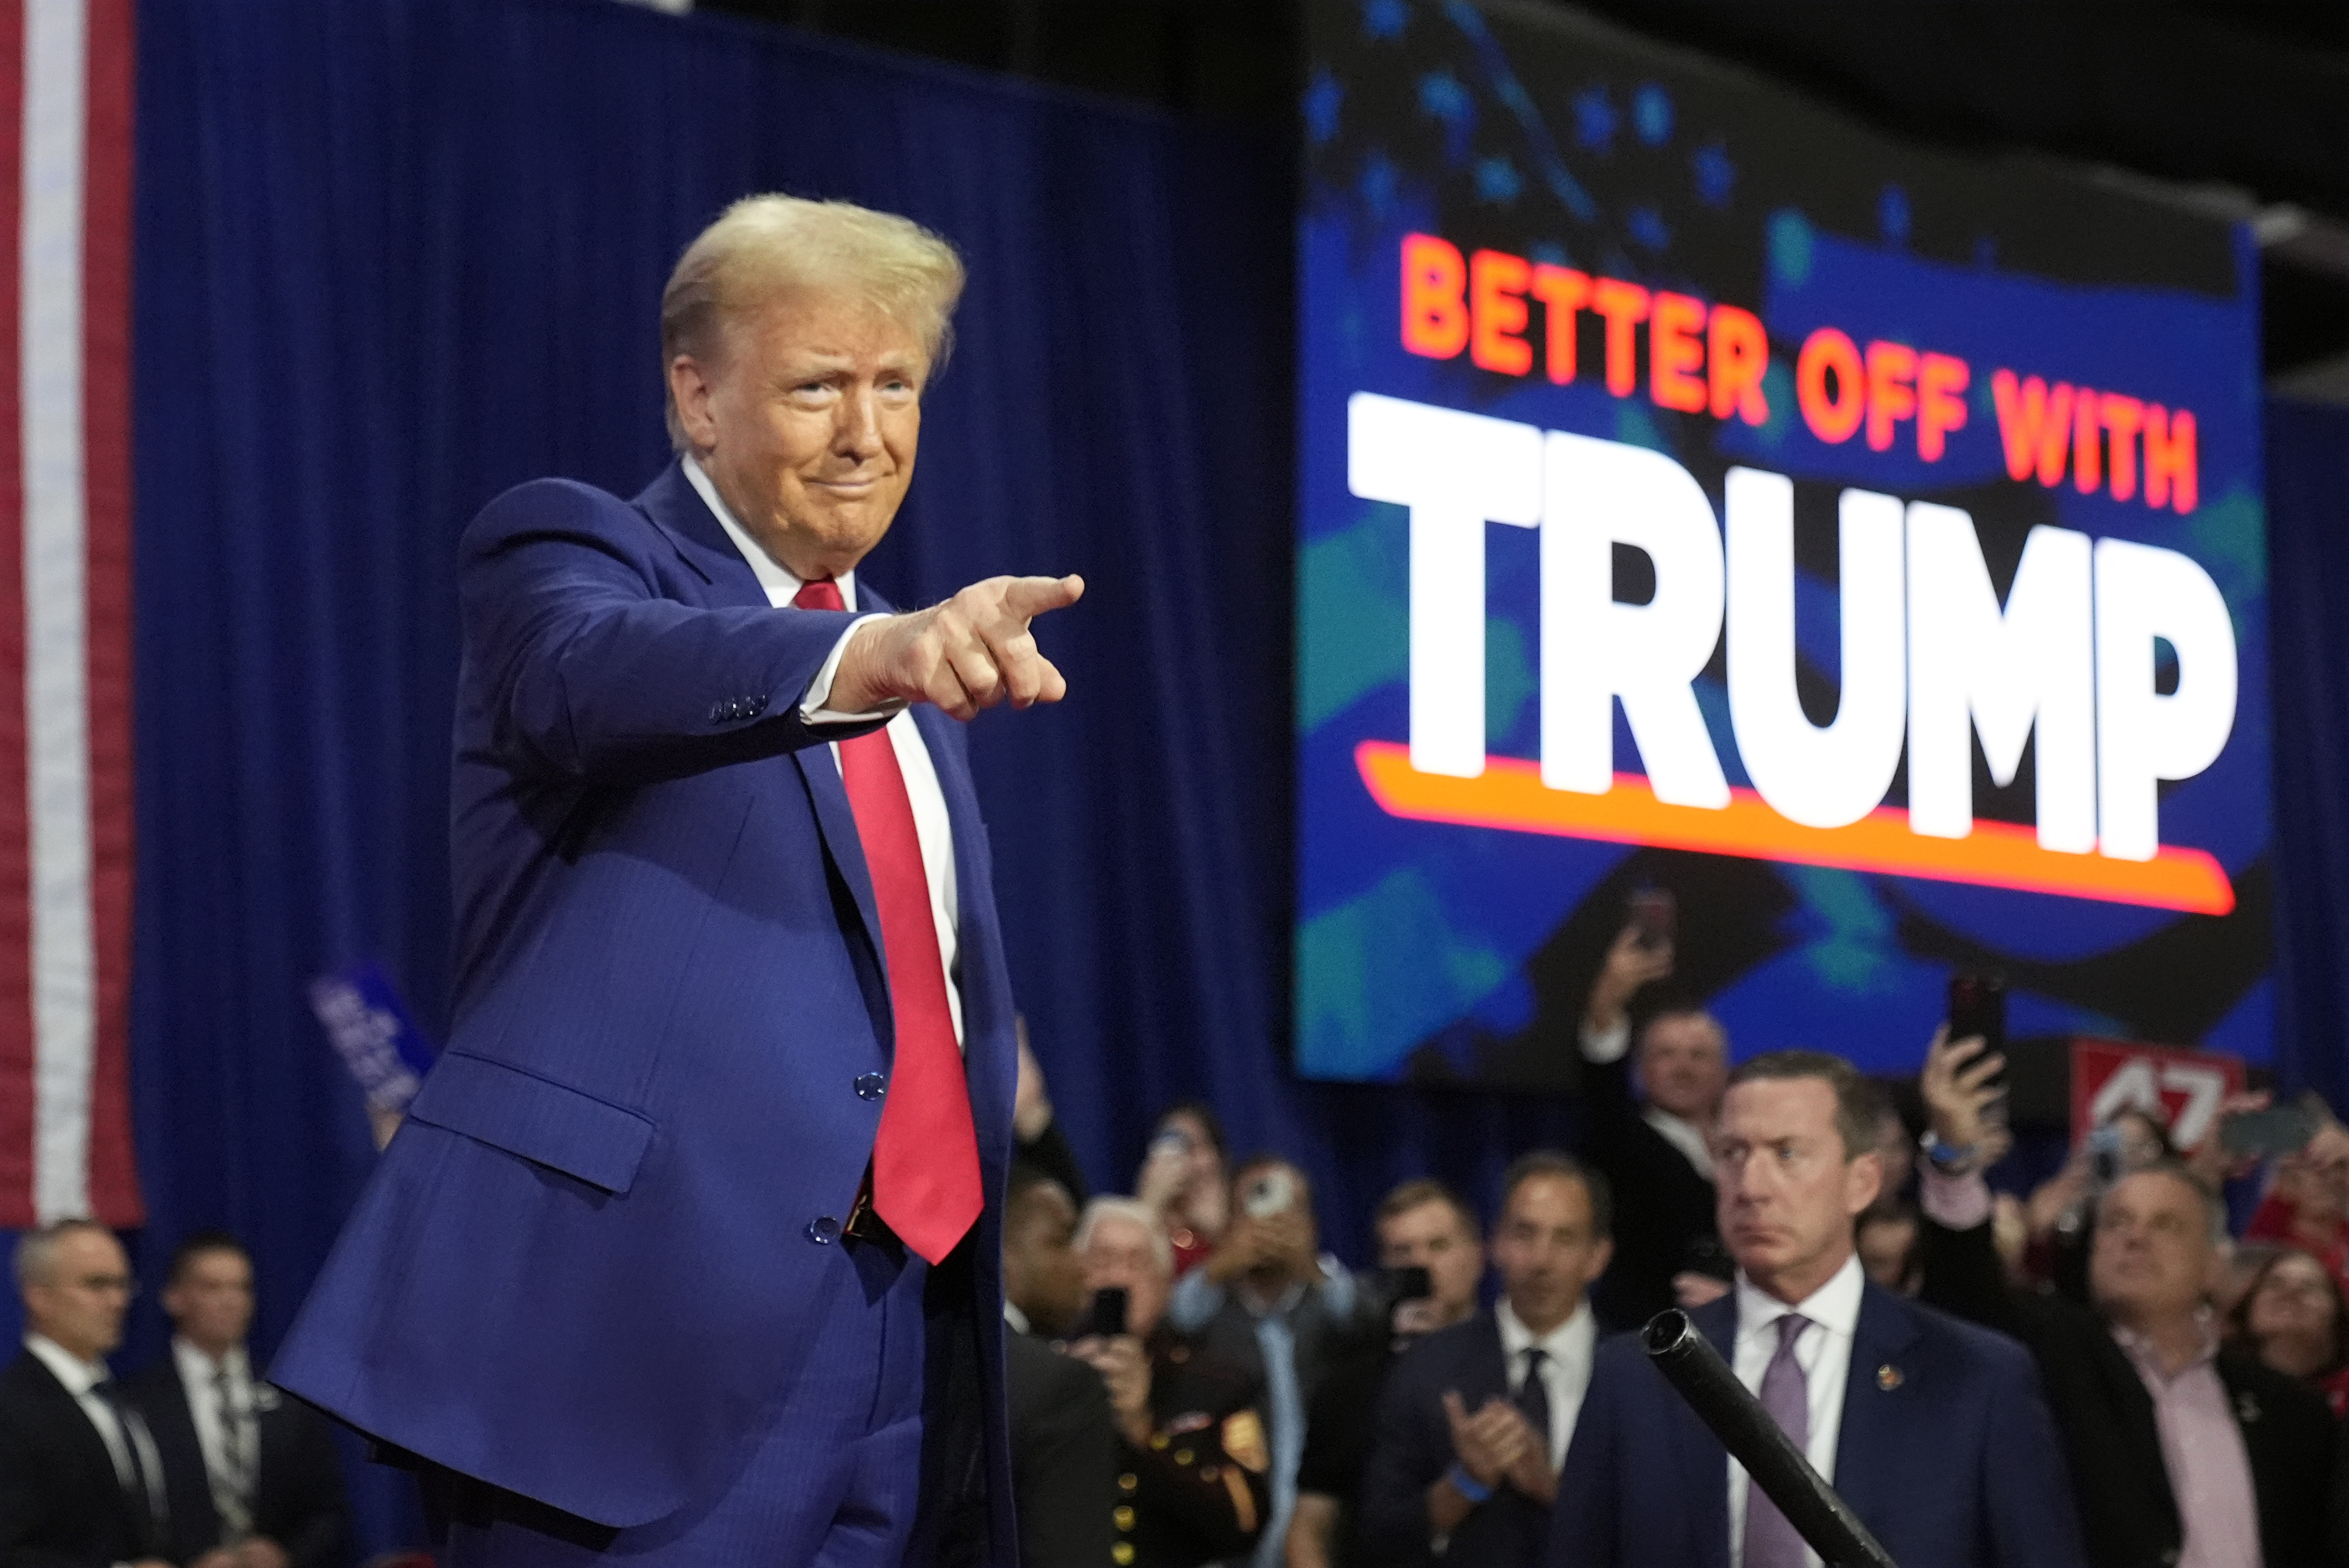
(65, 705)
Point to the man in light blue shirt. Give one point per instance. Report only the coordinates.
(1267, 1299)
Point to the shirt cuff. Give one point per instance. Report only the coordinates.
(1604, 1045)
(819, 692)
(1953, 1203)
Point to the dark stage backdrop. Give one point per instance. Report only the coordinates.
(394, 258)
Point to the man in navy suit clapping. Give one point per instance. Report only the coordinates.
(1932, 1429)
(1476, 1418)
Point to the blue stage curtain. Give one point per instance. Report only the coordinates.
(2308, 582)
(396, 257)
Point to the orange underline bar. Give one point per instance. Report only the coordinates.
(1511, 796)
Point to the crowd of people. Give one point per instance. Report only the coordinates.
(2096, 1373)
(195, 1462)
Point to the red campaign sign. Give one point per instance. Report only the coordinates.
(2184, 1088)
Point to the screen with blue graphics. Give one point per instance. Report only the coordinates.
(1703, 493)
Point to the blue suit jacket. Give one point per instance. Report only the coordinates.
(1413, 1448)
(583, 1269)
(1953, 1466)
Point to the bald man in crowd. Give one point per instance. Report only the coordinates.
(80, 1483)
(689, 1252)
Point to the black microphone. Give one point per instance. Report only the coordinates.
(1691, 1364)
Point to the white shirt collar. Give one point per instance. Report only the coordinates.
(1834, 1307)
(79, 1377)
(195, 1367)
(780, 584)
(1681, 1134)
(1015, 1318)
(1569, 1343)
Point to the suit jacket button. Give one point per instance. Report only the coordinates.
(756, 706)
(718, 714)
(823, 1231)
(871, 1086)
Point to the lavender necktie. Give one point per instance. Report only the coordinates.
(1770, 1541)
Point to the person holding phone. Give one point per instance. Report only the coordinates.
(1192, 1463)
(1268, 1299)
(1475, 1420)
(1652, 1096)
(1431, 1261)
(2179, 1447)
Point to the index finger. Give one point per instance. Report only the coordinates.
(1030, 596)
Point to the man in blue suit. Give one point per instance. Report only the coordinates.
(1473, 1421)
(690, 1251)
(1933, 1430)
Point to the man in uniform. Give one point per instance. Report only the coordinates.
(1193, 1483)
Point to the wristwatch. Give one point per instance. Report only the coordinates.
(1948, 1161)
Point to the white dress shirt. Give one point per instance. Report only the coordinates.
(1602, 1047)
(1566, 1368)
(81, 1380)
(1824, 1351)
(198, 1374)
(932, 827)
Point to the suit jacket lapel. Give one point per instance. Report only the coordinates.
(677, 508)
(1868, 1443)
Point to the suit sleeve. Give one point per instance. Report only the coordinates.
(2027, 1488)
(1063, 1470)
(590, 674)
(1960, 1272)
(1583, 1532)
(317, 1526)
(1406, 1457)
(27, 1497)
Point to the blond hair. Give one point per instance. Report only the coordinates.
(766, 245)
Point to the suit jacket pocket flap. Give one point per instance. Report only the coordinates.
(544, 1121)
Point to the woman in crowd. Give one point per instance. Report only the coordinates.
(2294, 1318)
(1186, 1177)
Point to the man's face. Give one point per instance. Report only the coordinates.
(210, 1303)
(1041, 1275)
(1119, 1252)
(1433, 1236)
(2152, 1257)
(1549, 1249)
(807, 422)
(1682, 1064)
(1786, 1191)
(81, 1302)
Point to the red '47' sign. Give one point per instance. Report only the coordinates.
(2184, 1088)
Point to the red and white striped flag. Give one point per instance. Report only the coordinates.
(65, 611)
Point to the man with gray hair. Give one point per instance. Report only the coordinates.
(686, 1254)
(1193, 1480)
(80, 1484)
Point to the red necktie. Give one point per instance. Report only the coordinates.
(925, 1160)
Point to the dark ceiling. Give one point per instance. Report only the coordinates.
(2251, 96)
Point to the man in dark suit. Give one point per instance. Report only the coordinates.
(79, 1478)
(1063, 1441)
(690, 1251)
(1932, 1429)
(1652, 1095)
(1422, 1225)
(251, 1478)
(1476, 1418)
(2182, 1449)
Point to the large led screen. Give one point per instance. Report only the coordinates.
(1700, 490)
